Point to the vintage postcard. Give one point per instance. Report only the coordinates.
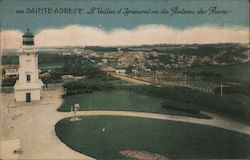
(124, 79)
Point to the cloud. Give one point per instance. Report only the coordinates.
(75, 35)
(11, 39)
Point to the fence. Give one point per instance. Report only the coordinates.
(175, 79)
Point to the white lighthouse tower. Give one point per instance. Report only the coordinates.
(28, 87)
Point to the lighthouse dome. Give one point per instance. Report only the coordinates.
(28, 38)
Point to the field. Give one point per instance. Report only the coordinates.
(121, 100)
(236, 72)
(103, 137)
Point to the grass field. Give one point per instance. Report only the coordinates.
(121, 100)
(236, 72)
(167, 138)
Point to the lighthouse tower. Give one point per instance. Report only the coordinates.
(28, 87)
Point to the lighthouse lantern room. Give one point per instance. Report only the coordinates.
(28, 87)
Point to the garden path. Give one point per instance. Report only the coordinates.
(216, 121)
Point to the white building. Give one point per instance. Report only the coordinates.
(67, 77)
(120, 71)
(28, 87)
(11, 71)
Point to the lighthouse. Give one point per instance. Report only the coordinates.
(28, 87)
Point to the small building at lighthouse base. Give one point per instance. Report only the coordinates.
(24, 93)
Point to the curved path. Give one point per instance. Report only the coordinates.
(217, 121)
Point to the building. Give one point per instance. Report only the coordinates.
(67, 77)
(28, 87)
(120, 71)
(11, 70)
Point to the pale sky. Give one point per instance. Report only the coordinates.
(117, 29)
(75, 35)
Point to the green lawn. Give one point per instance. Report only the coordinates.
(236, 72)
(168, 138)
(120, 100)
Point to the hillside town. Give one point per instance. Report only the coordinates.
(167, 65)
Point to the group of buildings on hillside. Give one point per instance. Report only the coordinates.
(28, 86)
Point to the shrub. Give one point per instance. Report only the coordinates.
(87, 86)
(180, 106)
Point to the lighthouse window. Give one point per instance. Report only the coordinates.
(28, 78)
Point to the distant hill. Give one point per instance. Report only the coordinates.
(227, 53)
